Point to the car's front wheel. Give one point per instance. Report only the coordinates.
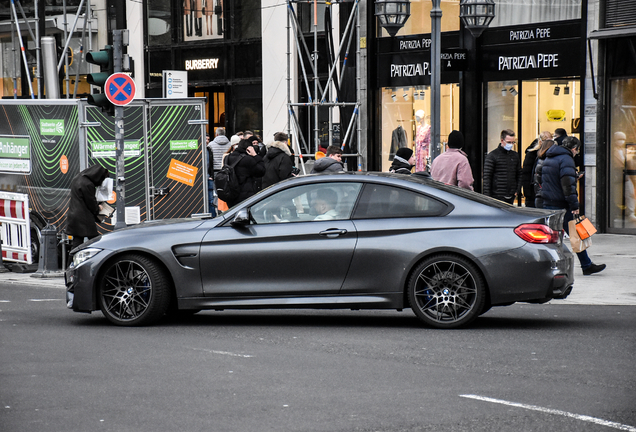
(134, 291)
(446, 291)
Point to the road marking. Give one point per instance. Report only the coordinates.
(223, 353)
(599, 421)
(44, 300)
(5, 301)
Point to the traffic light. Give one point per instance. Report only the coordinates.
(103, 58)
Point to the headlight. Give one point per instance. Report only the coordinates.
(83, 255)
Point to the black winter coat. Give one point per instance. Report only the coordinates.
(558, 177)
(502, 173)
(527, 175)
(278, 163)
(83, 207)
(400, 166)
(536, 174)
(248, 170)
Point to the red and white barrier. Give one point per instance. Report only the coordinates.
(16, 227)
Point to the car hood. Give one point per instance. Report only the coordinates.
(146, 230)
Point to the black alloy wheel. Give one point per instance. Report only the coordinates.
(134, 291)
(446, 291)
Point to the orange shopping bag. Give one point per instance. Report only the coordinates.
(584, 227)
(222, 206)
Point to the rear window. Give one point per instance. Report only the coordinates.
(383, 201)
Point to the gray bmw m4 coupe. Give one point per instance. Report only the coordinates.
(346, 241)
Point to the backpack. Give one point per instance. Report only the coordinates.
(226, 182)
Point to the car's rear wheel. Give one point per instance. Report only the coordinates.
(446, 291)
(134, 291)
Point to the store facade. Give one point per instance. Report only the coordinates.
(525, 73)
(218, 44)
(616, 114)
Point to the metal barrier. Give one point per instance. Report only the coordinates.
(16, 227)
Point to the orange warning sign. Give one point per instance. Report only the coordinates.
(182, 172)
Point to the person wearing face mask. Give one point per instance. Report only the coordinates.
(502, 170)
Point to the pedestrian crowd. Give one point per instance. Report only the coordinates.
(547, 178)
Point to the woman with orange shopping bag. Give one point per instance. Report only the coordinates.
(558, 178)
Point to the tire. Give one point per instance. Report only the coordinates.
(446, 291)
(134, 291)
(35, 245)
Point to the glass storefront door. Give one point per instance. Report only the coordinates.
(214, 108)
(529, 108)
(622, 157)
(406, 121)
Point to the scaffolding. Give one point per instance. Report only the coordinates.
(41, 64)
(327, 96)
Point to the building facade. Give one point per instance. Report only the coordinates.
(539, 66)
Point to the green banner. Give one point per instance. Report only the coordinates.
(181, 145)
(15, 148)
(107, 149)
(51, 127)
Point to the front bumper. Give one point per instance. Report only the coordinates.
(81, 282)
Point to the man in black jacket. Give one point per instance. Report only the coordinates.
(502, 170)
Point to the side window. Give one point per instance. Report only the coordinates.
(381, 201)
(324, 201)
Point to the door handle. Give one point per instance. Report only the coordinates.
(333, 232)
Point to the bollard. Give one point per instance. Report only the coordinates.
(48, 265)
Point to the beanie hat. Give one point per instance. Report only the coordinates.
(456, 140)
(280, 136)
(405, 153)
(235, 139)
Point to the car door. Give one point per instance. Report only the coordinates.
(287, 247)
(394, 225)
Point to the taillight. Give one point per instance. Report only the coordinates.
(537, 233)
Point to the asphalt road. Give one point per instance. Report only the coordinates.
(520, 368)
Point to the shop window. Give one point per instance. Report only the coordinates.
(619, 13)
(529, 108)
(203, 20)
(531, 12)
(246, 19)
(159, 18)
(406, 121)
(622, 157)
(501, 110)
(547, 105)
(306, 17)
(420, 20)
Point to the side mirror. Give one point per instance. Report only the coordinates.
(241, 218)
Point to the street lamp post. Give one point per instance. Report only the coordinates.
(392, 14)
(477, 15)
(436, 72)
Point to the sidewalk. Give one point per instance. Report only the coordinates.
(616, 285)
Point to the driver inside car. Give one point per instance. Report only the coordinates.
(324, 205)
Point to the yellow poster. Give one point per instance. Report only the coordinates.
(182, 172)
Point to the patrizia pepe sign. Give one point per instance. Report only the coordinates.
(409, 69)
(529, 52)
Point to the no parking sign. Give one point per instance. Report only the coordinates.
(120, 89)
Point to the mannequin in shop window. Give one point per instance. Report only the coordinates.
(422, 140)
(623, 181)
